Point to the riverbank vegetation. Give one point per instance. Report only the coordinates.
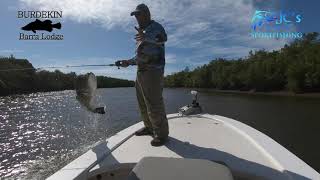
(294, 68)
(29, 80)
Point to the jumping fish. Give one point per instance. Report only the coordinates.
(85, 86)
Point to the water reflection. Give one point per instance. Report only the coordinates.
(37, 127)
(42, 132)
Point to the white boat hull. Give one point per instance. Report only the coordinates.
(248, 153)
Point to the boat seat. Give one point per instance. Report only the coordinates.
(163, 168)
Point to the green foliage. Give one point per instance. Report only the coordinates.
(295, 67)
(54, 81)
(108, 82)
(30, 80)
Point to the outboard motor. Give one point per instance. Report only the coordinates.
(194, 108)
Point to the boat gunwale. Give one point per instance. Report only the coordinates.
(282, 158)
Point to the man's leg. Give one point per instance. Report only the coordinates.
(142, 106)
(152, 87)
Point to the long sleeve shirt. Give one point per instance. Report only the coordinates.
(150, 53)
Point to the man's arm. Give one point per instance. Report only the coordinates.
(126, 63)
(133, 61)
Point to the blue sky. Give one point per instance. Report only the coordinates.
(102, 31)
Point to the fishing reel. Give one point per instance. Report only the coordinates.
(118, 63)
(192, 109)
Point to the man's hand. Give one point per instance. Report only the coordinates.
(122, 63)
(140, 36)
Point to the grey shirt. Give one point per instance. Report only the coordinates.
(150, 53)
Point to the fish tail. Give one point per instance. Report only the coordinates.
(57, 26)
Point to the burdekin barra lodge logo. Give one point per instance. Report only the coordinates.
(45, 25)
(275, 24)
(31, 29)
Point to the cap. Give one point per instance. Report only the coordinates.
(140, 8)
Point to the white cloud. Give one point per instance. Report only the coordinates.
(10, 51)
(171, 58)
(108, 13)
(206, 27)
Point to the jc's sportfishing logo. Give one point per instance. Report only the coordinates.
(275, 24)
(38, 29)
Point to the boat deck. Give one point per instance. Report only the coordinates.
(248, 153)
(199, 138)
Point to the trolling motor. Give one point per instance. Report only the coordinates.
(194, 108)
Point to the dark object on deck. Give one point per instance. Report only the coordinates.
(100, 110)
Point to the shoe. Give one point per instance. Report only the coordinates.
(143, 132)
(158, 141)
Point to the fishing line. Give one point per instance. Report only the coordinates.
(85, 85)
(58, 67)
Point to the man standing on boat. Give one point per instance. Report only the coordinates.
(150, 59)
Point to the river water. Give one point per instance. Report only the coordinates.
(42, 132)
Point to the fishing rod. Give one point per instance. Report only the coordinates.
(118, 64)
